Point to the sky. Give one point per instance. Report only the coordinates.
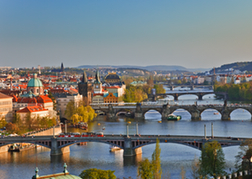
(192, 34)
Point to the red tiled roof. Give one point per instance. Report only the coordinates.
(4, 96)
(32, 109)
(44, 99)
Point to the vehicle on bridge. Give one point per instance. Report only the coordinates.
(77, 134)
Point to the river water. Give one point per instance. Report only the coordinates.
(96, 155)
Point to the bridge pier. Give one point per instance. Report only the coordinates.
(138, 112)
(55, 150)
(128, 151)
(175, 97)
(195, 115)
(111, 113)
(165, 111)
(225, 115)
(200, 96)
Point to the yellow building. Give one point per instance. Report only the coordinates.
(6, 107)
(111, 98)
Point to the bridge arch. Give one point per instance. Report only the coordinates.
(240, 112)
(157, 114)
(192, 144)
(122, 111)
(189, 96)
(44, 144)
(182, 112)
(114, 143)
(211, 113)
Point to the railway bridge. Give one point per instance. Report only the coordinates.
(132, 144)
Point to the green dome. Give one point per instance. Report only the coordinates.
(35, 82)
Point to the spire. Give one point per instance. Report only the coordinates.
(97, 77)
(84, 78)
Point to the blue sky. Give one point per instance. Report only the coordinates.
(193, 34)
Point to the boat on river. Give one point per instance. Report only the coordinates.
(114, 148)
(172, 117)
(21, 147)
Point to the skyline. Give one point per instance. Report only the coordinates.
(193, 34)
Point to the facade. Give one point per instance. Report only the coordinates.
(33, 111)
(6, 107)
(63, 101)
(85, 88)
(111, 98)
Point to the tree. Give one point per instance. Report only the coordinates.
(212, 160)
(243, 159)
(2, 122)
(151, 170)
(156, 161)
(94, 173)
(145, 169)
(70, 109)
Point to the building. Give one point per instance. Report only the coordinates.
(85, 88)
(33, 112)
(111, 98)
(63, 101)
(35, 86)
(6, 107)
(97, 83)
(64, 175)
(112, 78)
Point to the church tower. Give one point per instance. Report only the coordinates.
(97, 84)
(85, 88)
(62, 67)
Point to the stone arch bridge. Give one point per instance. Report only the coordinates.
(132, 144)
(138, 111)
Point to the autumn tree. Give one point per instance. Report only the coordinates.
(212, 160)
(94, 173)
(151, 170)
(243, 159)
(156, 161)
(145, 169)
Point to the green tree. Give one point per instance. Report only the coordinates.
(151, 170)
(212, 160)
(156, 161)
(94, 173)
(145, 169)
(70, 109)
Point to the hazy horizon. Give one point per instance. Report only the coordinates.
(192, 34)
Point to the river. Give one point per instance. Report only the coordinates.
(97, 155)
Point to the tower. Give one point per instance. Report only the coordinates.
(85, 88)
(97, 84)
(62, 67)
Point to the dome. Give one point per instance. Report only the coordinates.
(35, 82)
(112, 76)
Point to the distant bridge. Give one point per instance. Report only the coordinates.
(130, 143)
(138, 110)
(180, 93)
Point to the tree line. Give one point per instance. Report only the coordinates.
(239, 92)
(29, 123)
(140, 93)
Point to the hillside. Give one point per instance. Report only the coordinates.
(242, 66)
